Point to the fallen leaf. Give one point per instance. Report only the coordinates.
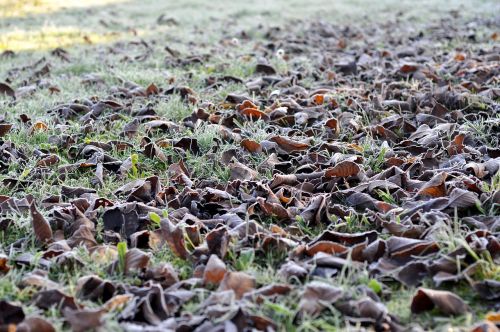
(4, 268)
(41, 227)
(5, 128)
(84, 319)
(435, 187)
(317, 296)
(10, 313)
(38, 126)
(117, 302)
(288, 144)
(215, 270)
(32, 324)
(446, 302)
(7, 90)
(46, 299)
(251, 146)
(343, 169)
(240, 282)
(174, 236)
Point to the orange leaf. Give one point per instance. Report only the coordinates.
(48, 161)
(254, 113)
(152, 89)
(343, 169)
(355, 147)
(288, 144)
(38, 126)
(239, 282)
(318, 99)
(493, 317)
(117, 302)
(333, 124)
(383, 206)
(247, 104)
(408, 68)
(4, 268)
(457, 145)
(278, 230)
(325, 246)
(435, 187)
(251, 146)
(214, 271)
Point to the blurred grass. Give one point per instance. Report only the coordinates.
(48, 38)
(22, 8)
(44, 24)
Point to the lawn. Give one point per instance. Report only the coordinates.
(267, 165)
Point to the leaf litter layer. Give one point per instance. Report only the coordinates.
(303, 177)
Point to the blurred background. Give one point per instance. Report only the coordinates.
(46, 24)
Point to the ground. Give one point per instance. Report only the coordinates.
(279, 165)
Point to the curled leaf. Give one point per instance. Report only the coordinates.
(318, 295)
(41, 227)
(240, 282)
(5, 128)
(214, 270)
(448, 303)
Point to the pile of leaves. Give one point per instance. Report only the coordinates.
(337, 175)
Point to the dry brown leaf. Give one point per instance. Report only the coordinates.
(10, 313)
(41, 227)
(38, 126)
(136, 259)
(448, 303)
(254, 113)
(152, 89)
(316, 296)
(318, 99)
(456, 145)
(49, 160)
(174, 236)
(333, 124)
(325, 246)
(4, 268)
(242, 172)
(251, 146)
(343, 169)
(35, 324)
(408, 68)
(214, 270)
(289, 145)
(5, 128)
(240, 282)
(493, 317)
(7, 90)
(435, 187)
(117, 302)
(85, 319)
